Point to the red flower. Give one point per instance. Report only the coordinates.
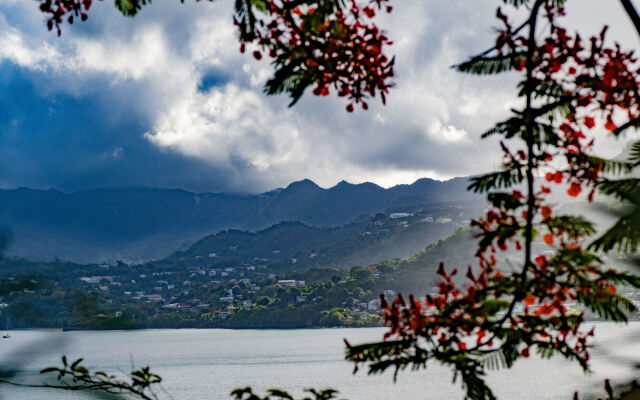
(557, 177)
(574, 189)
(546, 212)
(530, 300)
(548, 238)
(589, 122)
(369, 12)
(542, 261)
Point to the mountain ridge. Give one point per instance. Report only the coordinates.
(143, 223)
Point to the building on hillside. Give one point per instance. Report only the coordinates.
(399, 215)
(154, 297)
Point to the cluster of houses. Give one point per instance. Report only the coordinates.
(457, 215)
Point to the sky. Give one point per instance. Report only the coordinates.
(166, 99)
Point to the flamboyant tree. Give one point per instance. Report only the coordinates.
(570, 86)
(327, 44)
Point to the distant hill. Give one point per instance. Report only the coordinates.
(139, 224)
(289, 246)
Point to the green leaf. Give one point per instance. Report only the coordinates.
(490, 65)
(129, 8)
(495, 180)
(49, 369)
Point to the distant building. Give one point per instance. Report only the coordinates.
(154, 297)
(399, 215)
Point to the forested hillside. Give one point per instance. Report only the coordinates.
(138, 224)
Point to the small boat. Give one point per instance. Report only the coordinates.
(6, 335)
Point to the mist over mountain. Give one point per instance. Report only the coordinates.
(137, 224)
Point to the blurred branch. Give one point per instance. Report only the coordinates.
(632, 13)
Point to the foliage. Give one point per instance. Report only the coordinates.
(625, 392)
(274, 394)
(566, 84)
(326, 43)
(74, 376)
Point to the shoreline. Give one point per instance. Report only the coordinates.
(313, 328)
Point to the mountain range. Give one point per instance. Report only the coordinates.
(138, 224)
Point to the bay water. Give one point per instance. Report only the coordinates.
(209, 363)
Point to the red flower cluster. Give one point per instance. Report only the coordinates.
(529, 307)
(596, 79)
(58, 10)
(317, 45)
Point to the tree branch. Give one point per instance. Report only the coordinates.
(632, 13)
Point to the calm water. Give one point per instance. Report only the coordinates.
(208, 364)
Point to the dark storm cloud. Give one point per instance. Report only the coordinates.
(166, 99)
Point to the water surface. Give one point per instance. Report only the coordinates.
(208, 364)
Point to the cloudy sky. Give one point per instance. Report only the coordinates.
(167, 100)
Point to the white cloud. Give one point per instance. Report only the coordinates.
(14, 47)
(430, 127)
(228, 124)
